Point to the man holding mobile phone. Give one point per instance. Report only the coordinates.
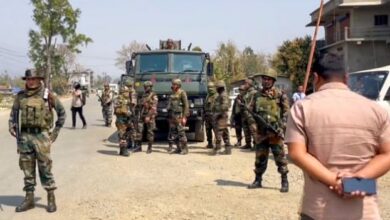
(334, 135)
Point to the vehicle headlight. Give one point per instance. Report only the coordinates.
(191, 105)
(198, 101)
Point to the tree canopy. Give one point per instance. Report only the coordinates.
(56, 20)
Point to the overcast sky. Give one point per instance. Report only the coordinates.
(261, 24)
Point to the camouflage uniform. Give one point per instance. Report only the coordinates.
(178, 109)
(236, 117)
(208, 110)
(35, 112)
(123, 113)
(220, 119)
(148, 113)
(131, 126)
(248, 131)
(272, 105)
(106, 103)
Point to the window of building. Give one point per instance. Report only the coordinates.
(381, 20)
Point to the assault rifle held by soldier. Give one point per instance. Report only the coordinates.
(262, 121)
(16, 122)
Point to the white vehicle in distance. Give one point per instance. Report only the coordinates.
(374, 84)
(114, 87)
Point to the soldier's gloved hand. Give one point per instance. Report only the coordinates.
(54, 134)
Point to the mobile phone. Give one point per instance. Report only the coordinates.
(358, 184)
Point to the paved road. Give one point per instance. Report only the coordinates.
(94, 183)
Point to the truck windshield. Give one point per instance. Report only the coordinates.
(187, 63)
(152, 63)
(367, 84)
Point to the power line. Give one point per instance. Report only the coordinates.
(14, 52)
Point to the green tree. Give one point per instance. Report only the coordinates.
(253, 63)
(292, 58)
(124, 54)
(227, 65)
(56, 20)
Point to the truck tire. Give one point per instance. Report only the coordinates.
(199, 131)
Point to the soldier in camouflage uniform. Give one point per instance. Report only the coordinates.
(272, 105)
(34, 109)
(131, 127)
(220, 120)
(208, 109)
(178, 111)
(236, 117)
(249, 133)
(106, 103)
(123, 115)
(148, 113)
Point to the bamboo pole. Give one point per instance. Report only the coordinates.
(313, 46)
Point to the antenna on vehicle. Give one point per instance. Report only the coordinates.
(147, 46)
(189, 47)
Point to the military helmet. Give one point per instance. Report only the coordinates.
(176, 82)
(106, 84)
(32, 73)
(271, 73)
(210, 85)
(220, 84)
(129, 83)
(124, 89)
(148, 84)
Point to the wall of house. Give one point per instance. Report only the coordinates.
(367, 55)
(363, 17)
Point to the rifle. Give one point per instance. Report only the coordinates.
(16, 122)
(99, 98)
(262, 121)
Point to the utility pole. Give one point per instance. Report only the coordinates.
(313, 47)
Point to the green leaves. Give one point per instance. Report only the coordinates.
(292, 58)
(57, 22)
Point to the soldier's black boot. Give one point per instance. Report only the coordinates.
(130, 145)
(177, 150)
(138, 146)
(125, 152)
(215, 150)
(149, 148)
(247, 146)
(28, 202)
(238, 144)
(209, 144)
(228, 150)
(170, 148)
(284, 188)
(184, 149)
(51, 202)
(256, 184)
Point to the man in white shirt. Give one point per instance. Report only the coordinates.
(299, 94)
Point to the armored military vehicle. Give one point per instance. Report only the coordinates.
(164, 64)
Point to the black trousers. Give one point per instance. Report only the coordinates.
(80, 111)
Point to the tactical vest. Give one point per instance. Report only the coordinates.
(268, 106)
(147, 101)
(35, 113)
(105, 96)
(221, 103)
(122, 107)
(210, 100)
(176, 104)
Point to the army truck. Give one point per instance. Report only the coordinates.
(161, 66)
